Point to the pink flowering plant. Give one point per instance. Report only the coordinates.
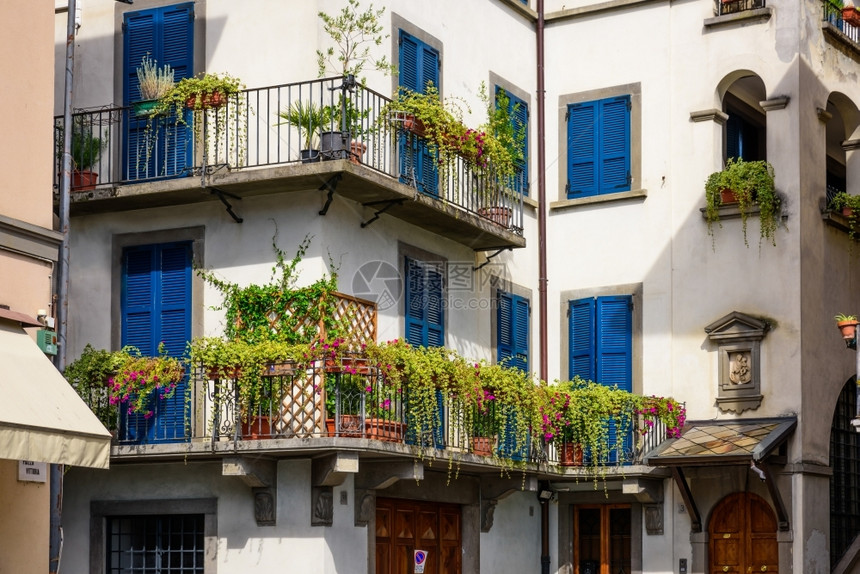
(140, 380)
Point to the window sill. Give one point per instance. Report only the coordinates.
(755, 15)
(592, 199)
(834, 219)
(732, 212)
(529, 202)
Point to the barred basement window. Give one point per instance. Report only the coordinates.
(171, 544)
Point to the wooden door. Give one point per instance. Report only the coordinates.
(743, 536)
(403, 526)
(602, 541)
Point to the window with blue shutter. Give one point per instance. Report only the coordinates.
(519, 113)
(425, 327)
(598, 147)
(157, 147)
(745, 138)
(600, 332)
(156, 309)
(425, 318)
(513, 330)
(418, 65)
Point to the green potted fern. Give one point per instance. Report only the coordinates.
(744, 184)
(850, 208)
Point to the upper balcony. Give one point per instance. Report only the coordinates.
(252, 145)
(842, 23)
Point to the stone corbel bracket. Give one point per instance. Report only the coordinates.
(379, 476)
(327, 472)
(261, 475)
(494, 489)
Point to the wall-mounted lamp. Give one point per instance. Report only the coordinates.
(545, 495)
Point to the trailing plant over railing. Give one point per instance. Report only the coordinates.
(279, 311)
(125, 378)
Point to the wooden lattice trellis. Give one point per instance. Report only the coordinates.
(355, 317)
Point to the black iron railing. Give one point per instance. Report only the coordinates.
(846, 20)
(320, 120)
(723, 7)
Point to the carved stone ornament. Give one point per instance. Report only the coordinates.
(738, 337)
(264, 507)
(322, 506)
(653, 518)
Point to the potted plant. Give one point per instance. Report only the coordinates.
(752, 184)
(847, 325)
(850, 208)
(153, 84)
(308, 119)
(86, 148)
(352, 33)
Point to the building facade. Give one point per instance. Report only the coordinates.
(642, 102)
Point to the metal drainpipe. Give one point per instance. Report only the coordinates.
(56, 534)
(542, 268)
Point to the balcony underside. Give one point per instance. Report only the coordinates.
(368, 450)
(363, 185)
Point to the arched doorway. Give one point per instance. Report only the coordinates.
(845, 480)
(742, 533)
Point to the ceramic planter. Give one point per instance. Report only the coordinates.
(482, 445)
(848, 328)
(570, 454)
(210, 100)
(256, 428)
(84, 180)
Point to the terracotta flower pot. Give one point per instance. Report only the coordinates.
(256, 428)
(211, 100)
(84, 180)
(570, 454)
(414, 125)
(497, 214)
(851, 15)
(848, 328)
(350, 426)
(381, 429)
(482, 445)
(357, 150)
(728, 197)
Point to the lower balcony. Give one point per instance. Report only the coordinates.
(344, 404)
(258, 142)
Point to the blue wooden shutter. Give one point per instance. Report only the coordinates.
(425, 315)
(519, 114)
(614, 342)
(513, 330)
(614, 145)
(614, 355)
(415, 288)
(581, 339)
(582, 149)
(167, 35)
(408, 63)
(419, 64)
(435, 308)
(156, 308)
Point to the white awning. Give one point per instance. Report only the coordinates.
(42, 418)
